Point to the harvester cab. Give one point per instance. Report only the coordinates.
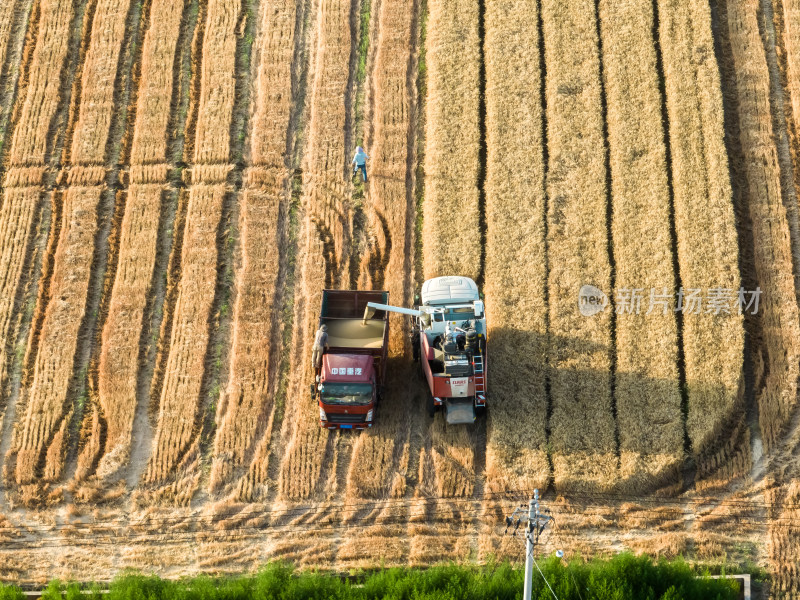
(449, 341)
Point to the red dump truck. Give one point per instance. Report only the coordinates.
(349, 381)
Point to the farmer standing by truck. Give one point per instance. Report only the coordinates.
(320, 345)
(360, 162)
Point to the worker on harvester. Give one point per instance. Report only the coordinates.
(320, 345)
(360, 162)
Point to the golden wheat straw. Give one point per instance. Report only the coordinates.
(301, 468)
(96, 108)
(42, 95)
(38, 102)
(150, 132)
(326, 188)
(7, 11)
(704, 218)
(180, 396)
(516, 275)
(771, 240)
(582, 426)
(119, 350)
(176, 434)
(782, 541)
(326, 222)
(47, 403)
(791, 36)
(647, 395)
(253, 348)
(373, 470)
(450, 227)
(46, 400)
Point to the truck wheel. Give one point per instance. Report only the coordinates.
(431, 406)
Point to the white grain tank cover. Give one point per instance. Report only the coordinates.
(449, 290)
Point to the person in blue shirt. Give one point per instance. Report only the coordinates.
(360, 162)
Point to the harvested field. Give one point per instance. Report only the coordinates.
(262, 229)
(451, 235)
(181, 394)
(326, 191)
(702, 203)
(177, 194)
(118, 364)
(777, 399)
(263, 221)
(580, 355)
(27, 155)
(301, 465)
(323, 255)
(180, 404)
(7, 11)
(516, 249)
(784, 550)
(379, 464)
(43, 433)
(648, 401)
(43, 427)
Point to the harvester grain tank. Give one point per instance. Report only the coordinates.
(350, 378)
(449, 341)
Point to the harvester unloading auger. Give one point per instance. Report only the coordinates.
(449, 341)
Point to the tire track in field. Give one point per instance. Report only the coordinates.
(243, 450)
(112, 118)
(65, 338)
(173, 472)
(38, 124)
(13, 29)
(325, 205)
(376, 469)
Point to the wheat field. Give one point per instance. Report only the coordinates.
(177, 192)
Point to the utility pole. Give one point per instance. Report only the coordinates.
(530, 544)
(535, 522)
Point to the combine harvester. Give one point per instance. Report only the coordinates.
(448, 339)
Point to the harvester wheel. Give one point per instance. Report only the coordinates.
(431, 406)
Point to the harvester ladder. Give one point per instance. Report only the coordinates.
(477, 367)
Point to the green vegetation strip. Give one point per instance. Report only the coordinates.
(621, 578)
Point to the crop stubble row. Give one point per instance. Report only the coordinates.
(705, 224)
(177, 430)
(647, 395)
(451, 234)
(43, 428)
(326, 188)
(118, 365)
(247, 405)
(7, 11)
(37, 104)
(787, 23)
(582, 423)
(451, 221)
(324, 226)
(778, 310)
(380, 458)
(516, 267)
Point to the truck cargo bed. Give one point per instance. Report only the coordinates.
(353, 333)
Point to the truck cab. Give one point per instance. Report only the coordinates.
(349, 382)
